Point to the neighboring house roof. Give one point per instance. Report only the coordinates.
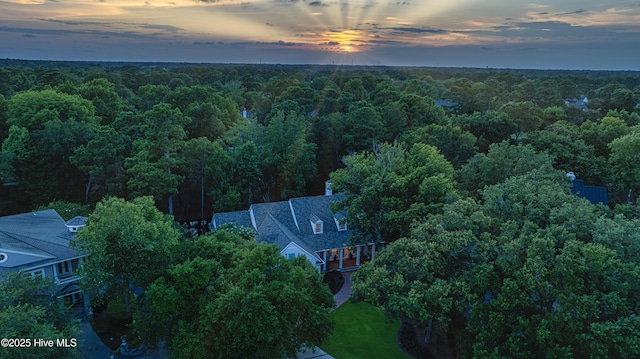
(34, 239)
(445, 103)
(593, 194)
(240, 218)
(289, 221)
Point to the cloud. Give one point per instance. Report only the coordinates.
(169, 28)
(417, 30)
(278, 43)
(74, 33)
(75, 23)
(208, 43)
(579, 11)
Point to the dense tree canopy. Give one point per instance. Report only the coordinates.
(127, 243)
(229, 297)
(523, 273)
(28, 311)
(385, 190)
(487, 243)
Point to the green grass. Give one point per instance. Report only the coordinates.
(362, 333)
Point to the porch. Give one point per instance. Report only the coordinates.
(348, 258)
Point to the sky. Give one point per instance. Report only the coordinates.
(586, 34)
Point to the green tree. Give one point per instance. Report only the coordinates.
(126, 243)
(28, 311)
(33, 109)
(205, 165)
(456, 145)
(247, 171)
(503, 160)
(530, 271)
(570, 152)
(55, 123)
(488, 127)
(102, 159)
(362, 127)
(289, 158)
(152, 167)
(625, 154)
(387, 189)
(526, 116)
(104, 97)
(258, 303)
(420, 110)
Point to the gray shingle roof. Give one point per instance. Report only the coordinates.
(240, 218)
(77, 221)
(284, 222)
(42, 233)
(320, 206)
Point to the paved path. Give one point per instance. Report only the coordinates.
(313, 354)
(89, 343)
(344, 293)
(92, 347)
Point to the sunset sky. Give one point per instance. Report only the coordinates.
(494, 33)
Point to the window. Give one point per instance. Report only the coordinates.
(3, 257)
(64, 269)
(316, 224)
(38, 273)
(291, 255)
(341, 221)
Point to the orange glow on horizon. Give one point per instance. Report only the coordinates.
(343, 41)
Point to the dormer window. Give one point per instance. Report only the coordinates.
(341, 221)
(316, 224)
(76, 223)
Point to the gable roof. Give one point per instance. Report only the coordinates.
(240, 218)
(284, 222)
(37, 238)
(320, 206)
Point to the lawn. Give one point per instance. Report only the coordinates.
(362, 333)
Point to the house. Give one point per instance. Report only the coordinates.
(579, 102)
(39, 243)
(304, 226)
(594, 194)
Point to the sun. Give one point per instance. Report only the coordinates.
(343, 41)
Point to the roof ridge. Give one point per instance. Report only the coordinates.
(21, 240)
